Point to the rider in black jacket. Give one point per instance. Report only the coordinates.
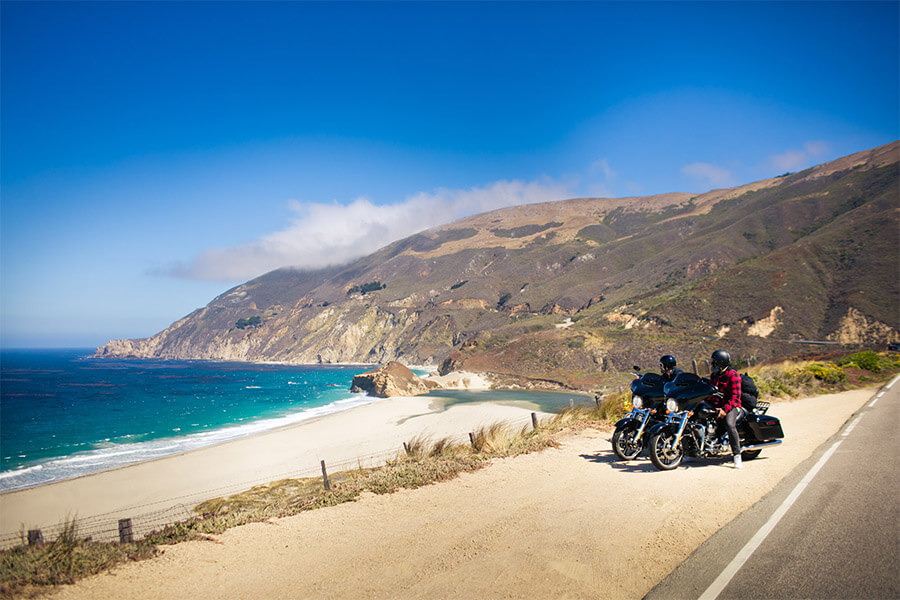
(667, 367)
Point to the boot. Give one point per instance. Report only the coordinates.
(738, 464)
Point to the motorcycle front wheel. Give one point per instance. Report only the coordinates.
(664, 454)
(624, 445)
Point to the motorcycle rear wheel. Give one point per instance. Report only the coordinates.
(750, 454)
(663, 453)
(624, 445)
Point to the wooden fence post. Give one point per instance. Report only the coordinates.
(325, 480)
(126, 535)
(405, 448)
(694, 364)
(534, 422)
(472, 439)
(35, 537)
(597, 400)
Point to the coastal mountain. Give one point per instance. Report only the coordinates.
(561, 292)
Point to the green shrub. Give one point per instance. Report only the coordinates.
(251, 322)
(372, 286)
(829, 373)
(776, 387)
(867, 360)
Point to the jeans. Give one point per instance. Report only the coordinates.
(731, 426)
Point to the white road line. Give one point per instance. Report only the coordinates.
(851, 426)
(727, 574)
(881, 393)
(735, 565)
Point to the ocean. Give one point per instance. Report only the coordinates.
(64, 413)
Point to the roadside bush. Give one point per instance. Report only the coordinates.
(827, 373)
(775, 388)
(868, 360)
(793, 379)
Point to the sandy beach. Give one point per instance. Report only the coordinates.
(569, 522)
(157, 491)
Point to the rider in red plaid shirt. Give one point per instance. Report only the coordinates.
(728, 382)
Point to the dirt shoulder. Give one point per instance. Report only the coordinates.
(564, 523)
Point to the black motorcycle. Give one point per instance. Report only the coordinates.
(692, 428)
(648, 401)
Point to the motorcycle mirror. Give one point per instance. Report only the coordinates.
(636, 368)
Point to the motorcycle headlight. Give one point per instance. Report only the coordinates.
(637, 402)
(671, 405)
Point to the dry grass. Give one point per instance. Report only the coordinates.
(28, 570)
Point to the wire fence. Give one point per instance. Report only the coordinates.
(136, 522)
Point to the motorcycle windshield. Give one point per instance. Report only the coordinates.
(650, 385)
(688, 388)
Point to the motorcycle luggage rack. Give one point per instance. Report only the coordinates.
(761, 407)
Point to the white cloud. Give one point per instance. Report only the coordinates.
(323, 234)
(602, 165)
(796, 160)
(600, 187)
(709, 174)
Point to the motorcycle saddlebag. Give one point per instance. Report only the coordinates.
(766, 428)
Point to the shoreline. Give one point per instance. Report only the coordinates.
(363, 435)
(229, 432)
(37, 465)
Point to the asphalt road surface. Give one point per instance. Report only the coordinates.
(831, 529)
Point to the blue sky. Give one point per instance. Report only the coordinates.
(153, 155)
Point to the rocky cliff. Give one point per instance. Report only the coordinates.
(392, 379)
(561, 291)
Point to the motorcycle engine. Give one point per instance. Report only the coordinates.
(692, 441)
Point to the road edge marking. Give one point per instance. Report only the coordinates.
(750, 547)
(728, 573)
(882, 392)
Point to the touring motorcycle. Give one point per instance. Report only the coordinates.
(692, 428)
(648, 401)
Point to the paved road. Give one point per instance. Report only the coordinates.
(831, 529)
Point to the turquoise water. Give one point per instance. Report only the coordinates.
(64, 414)
(549, 402)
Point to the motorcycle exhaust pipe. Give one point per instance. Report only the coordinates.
(762, 445)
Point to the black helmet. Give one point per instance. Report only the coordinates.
(721, 360)
(667, 362)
